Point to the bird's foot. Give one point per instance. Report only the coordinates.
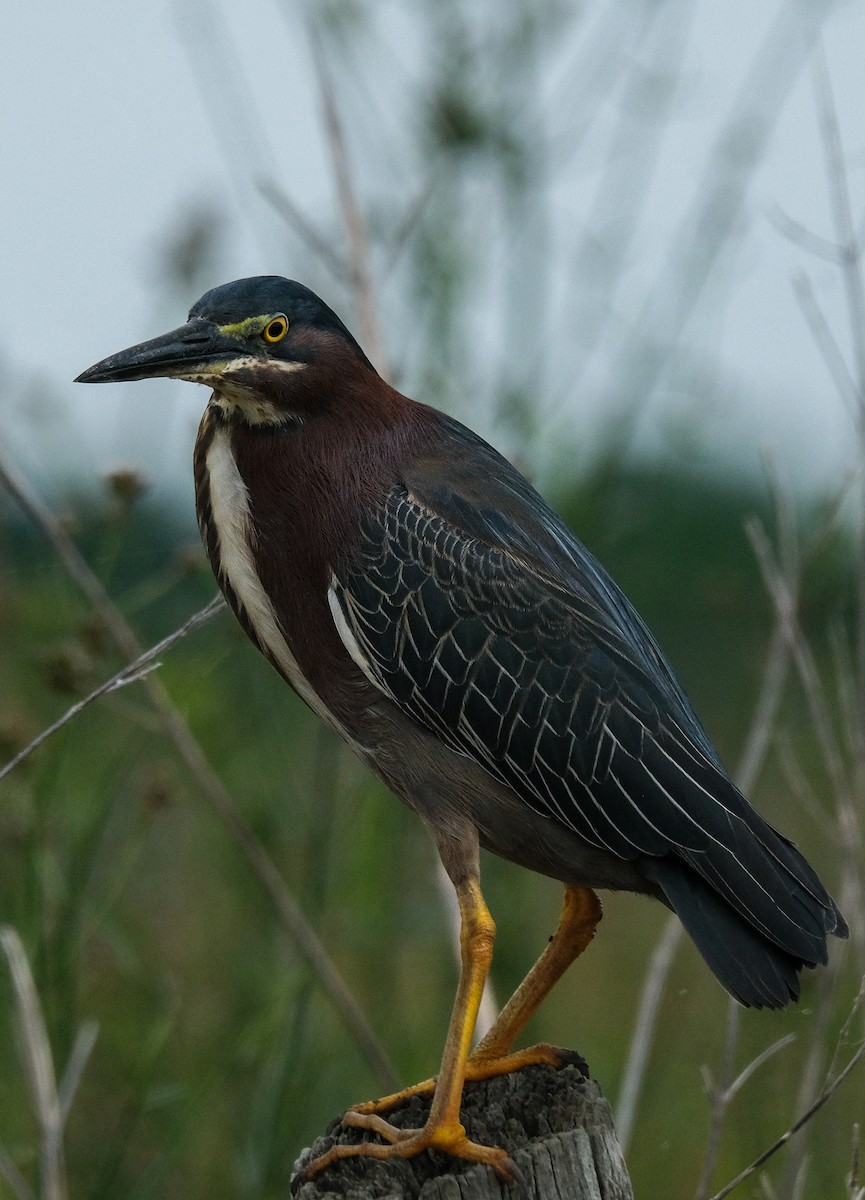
(450, 1138)
(481, 1065)
(487, 1063)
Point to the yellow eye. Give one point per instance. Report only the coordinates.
(276, 329)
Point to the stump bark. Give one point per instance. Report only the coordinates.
(554, 1123)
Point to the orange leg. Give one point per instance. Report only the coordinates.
(581, 912)
(443, 1129)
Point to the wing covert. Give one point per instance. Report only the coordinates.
(534, 681)
(502, 663)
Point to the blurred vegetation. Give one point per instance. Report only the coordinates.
(456, 135)
(217, 1058)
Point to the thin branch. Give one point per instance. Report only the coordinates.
(839, 193)
(755, 1064)
(283, 204)
(853, 1189)
(777, 1145)
(644, 1028)
(834, 517)
(801, 789)
(406, 227)
(70, 556)
(751, 760)
(132, 673)
(13, 1177)
(785, 608)
(39, 1067)
(826, 343)
(846, 1030)
(813, 243)
(843, 788)
(228, 102)
(82, 1048)
(50, 1103)
(720, 1095)
(845, 686)
(801, 1179)
(774, 677)
(763, 723)
(174, 727)
(854, 288)
(355, 227)
(850, 382)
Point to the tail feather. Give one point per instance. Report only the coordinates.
(757, 972)
(754, 868)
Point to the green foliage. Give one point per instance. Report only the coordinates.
(217, 1057)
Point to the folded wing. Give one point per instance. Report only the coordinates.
(493, 627)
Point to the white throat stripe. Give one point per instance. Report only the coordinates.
(229, 502)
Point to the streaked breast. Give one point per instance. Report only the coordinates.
(236, 572)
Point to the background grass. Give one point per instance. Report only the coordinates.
(218, 1058)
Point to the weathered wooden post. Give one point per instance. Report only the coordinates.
(555, 1124)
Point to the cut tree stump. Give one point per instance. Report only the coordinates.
(554, 1123)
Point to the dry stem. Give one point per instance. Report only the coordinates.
(133, 673)
(174, 727)
(825, 1095)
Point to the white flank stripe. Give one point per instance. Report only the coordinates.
(346, 636)
(229, 502)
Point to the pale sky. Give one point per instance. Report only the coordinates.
(115, 122)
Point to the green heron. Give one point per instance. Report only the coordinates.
(427, 604)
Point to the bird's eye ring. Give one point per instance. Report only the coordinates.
(275, 330)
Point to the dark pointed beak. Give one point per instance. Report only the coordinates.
(196, 351)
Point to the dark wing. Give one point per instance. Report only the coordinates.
(478, 612)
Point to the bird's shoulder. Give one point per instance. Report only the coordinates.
(459, 499)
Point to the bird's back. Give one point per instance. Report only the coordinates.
(473, 607)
